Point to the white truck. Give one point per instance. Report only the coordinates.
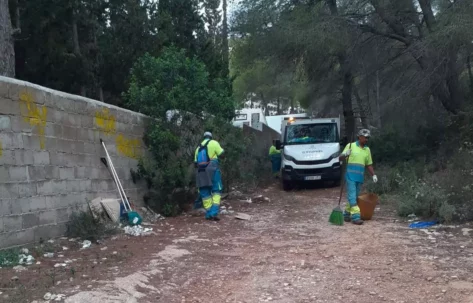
(309, 150)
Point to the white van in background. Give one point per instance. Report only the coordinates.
(310, 149)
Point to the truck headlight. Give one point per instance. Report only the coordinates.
(335, 155)
(289, 158)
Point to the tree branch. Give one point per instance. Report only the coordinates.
(369, 29)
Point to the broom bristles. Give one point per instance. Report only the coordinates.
(336, 217)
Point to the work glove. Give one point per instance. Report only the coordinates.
(347, 153)
(375, 179)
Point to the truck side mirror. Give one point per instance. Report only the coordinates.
(278, 144)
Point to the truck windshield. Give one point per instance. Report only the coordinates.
(311, 133)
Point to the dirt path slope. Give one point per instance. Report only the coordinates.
(287, 252)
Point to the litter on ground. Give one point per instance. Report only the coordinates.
(137, 230)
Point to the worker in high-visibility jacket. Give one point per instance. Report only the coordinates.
(208, 175)
(275, 156)
(359, 158)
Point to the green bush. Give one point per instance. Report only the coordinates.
(85, 226)
(183, 102)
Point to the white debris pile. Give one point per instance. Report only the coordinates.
(25, 259)
(150, 216)
(137, 230)
(226, 211)
(86, 244)
(261, 199)
(52, 297)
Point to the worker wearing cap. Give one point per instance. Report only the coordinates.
(208, 176)
(359, 158)
(275, 155)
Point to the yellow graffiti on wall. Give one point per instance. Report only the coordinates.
(34, 115)
(128, 147)
(105, 121)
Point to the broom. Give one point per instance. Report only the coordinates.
(336, 217)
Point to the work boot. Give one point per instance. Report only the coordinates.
(216, 219)
(358, 222)
(346, 219)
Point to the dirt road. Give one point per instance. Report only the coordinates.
(287, 252)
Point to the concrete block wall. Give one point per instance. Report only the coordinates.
(50, 158)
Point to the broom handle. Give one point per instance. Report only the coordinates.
(343, 181)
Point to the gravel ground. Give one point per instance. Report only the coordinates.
(286, 252)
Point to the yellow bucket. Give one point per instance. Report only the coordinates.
(367, 203)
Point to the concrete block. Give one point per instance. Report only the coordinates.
(9, 191)
(47, 217)
(87, 121)
(77, 147)
(5, 123)
(66, 173)
(11, 140)
(57, 158)
(9, 107)
(54, 130)
(93, 135)
(90, 148)
(38, 95)
(30, 220)
(59, 186)
(70, 160)
(21, 206)
(63, 145)
(73, 120)
(81, 173)
(52, 115)
(74, 199)
(73, 186)
(12, 223)
(51, 172)
(23, 157)
(5, 207)
(80, 106)
(45, 188)
(4, 174)
(31, 142)
(85, 185)
(63, 104)
(18, 173)
(27, 189)
(62, 215)
(41, 158)
(16, 238)
(51, 143)
(4, 87)
(36, 173)
(59, 117)
(69, 132)
(53, 202)
(14, 91)
(8, 157)
(19, 125)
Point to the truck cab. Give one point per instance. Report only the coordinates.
(310, 150)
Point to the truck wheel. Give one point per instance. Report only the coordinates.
(287, 185)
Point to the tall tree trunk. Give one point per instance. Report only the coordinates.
(470, 72)
(278, 111)
(347, 91)
(77, 52)
(428, 13)
(7, 50)
(226, 51)
(363, 112)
